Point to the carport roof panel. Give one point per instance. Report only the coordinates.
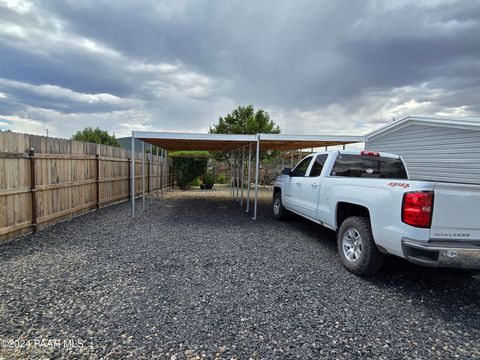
(225, 142)
(193, 141)
(294, 142)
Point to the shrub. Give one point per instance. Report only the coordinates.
(196, 182)
(209, 180)
(221, 179)
(187, 169)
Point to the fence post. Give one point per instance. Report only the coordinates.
(33, 189)
(129, 176)
(97, 180)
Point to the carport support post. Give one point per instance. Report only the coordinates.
(232, 162)
(132, 174)
(248, 176)
(162, 158)
(157, 172)
(257, 165)
(233, 174)
(235, 191)
(239, 170)
(143, 175)
(243, 175)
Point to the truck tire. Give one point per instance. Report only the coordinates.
(357, 249)
(279, 212)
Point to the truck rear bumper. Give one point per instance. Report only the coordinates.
(465, 255)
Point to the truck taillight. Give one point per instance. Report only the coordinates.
(417, 208)
(369, 153)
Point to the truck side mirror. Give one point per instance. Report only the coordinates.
(286, 171)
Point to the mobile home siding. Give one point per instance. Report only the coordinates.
(439, 153)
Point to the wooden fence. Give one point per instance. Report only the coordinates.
(45, 180)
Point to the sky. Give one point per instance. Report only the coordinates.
(318, 67)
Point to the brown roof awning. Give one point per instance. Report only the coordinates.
(226, 142)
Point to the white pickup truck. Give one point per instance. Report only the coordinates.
(367, 198)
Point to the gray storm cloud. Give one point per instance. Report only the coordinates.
(337, 67)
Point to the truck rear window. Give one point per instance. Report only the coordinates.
(369, 166)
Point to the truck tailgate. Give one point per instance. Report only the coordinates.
(456, 212)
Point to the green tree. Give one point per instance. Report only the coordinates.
(244, 120)
(97, 136)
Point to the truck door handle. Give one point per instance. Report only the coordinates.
(314, 185)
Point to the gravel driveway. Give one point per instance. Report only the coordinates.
(194, 277)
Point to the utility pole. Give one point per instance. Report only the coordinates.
(46, 130)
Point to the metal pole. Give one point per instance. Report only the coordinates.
(158, 171)
(249, 174)
(231, 173)
(343, 146)
(291, 159)
(243, 175)
(237, 173)
(165, 161)
(133, 174)
(162, 180)
(161, 170)
(143, 175)
(257, 165)
(239, 168)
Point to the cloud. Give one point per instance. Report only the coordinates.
(330, 67)
(21, 124)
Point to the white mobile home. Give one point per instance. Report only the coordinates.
(433, 148)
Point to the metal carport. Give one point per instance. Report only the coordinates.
(231, 142)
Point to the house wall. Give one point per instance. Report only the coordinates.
(439, 153)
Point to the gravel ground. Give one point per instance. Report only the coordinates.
(194, 277)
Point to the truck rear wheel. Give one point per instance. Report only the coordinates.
(279, 212)
(356, 247)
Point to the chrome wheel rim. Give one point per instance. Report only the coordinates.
(276, 206)
(352, 244)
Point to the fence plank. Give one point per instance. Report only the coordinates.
(67, 178)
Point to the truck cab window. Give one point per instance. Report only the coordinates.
(392, 169)
(318, 164)
(301, 169)
(367, 166)
(348, 165)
